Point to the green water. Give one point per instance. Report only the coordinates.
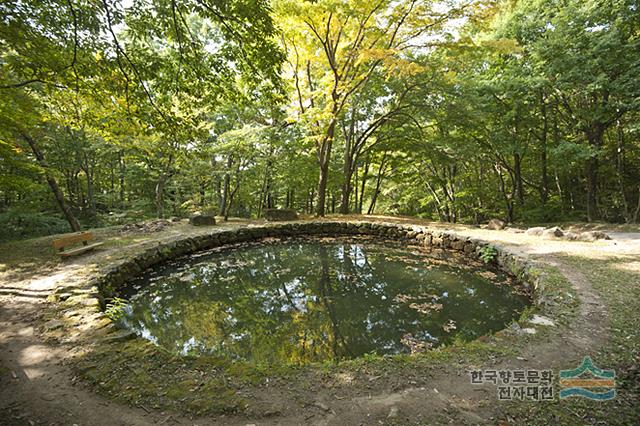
(314, 300)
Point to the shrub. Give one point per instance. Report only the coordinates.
(15, 225)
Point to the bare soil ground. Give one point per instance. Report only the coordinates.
(38, 384)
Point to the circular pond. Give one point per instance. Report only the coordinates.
(307, 300)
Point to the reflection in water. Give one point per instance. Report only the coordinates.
(313, 300)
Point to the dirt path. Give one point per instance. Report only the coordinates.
(37, 387)
(40, 389)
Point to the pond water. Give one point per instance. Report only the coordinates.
(307, 300)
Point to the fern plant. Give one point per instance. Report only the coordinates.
(115, 309)
(488, 253)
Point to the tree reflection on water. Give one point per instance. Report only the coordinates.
(314, 300)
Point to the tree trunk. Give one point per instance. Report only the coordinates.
(355, 187)
(53, 184)
(347, 167)
(636, 214)
(517, 172)
(81, 202)
(160, 195)
(544, 187)
(449, 187)
(508, 199)
(203, 193)
(91, 196)
(324, 157)
(89, 172)
(123, 170)
(592, 188)
(233, 193)
(225, 187)
(322, 189)
(374, 198)
(264, 193)
(365, 175)
(310, 198)
(620, 173)
(441, 214)
(595, 136)
(345, 193)
(217, 184)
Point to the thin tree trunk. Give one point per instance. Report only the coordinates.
(517, 172)
(233, 193)
(78, 190)
(636, 214)
(441, 214)
(507, 199)
(203, 193)
(312, 196)
(264, 193)
(322, 191)
(345, 193)
(123, 170)
(324, 156)
(355, 188)
(89, 173)
(91, 196)
(347, 166)
(53, 184)
(374, 199)
(620, 173)
(544, 187)
(594, 136)
(160, 195)
(225, 187)
(365, 175)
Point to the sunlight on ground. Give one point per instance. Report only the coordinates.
(345, 378)
(628, 266)
(50, 281)
(30, 358)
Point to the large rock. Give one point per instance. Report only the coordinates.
(275, 215)
(570, 236)
(202, 220)
(496, 224)
(119, 336)
(53, 325)
(593, 236)
(541, 320)
(535, 231)
(554, 232)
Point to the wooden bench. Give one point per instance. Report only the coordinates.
(81, 237)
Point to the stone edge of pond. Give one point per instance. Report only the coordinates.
(107, 280)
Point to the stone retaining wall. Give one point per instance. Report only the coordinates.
(109, 282)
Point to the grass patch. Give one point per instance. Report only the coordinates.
(619, 288)
(558, 299)
(141, 374)
(27, 256)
